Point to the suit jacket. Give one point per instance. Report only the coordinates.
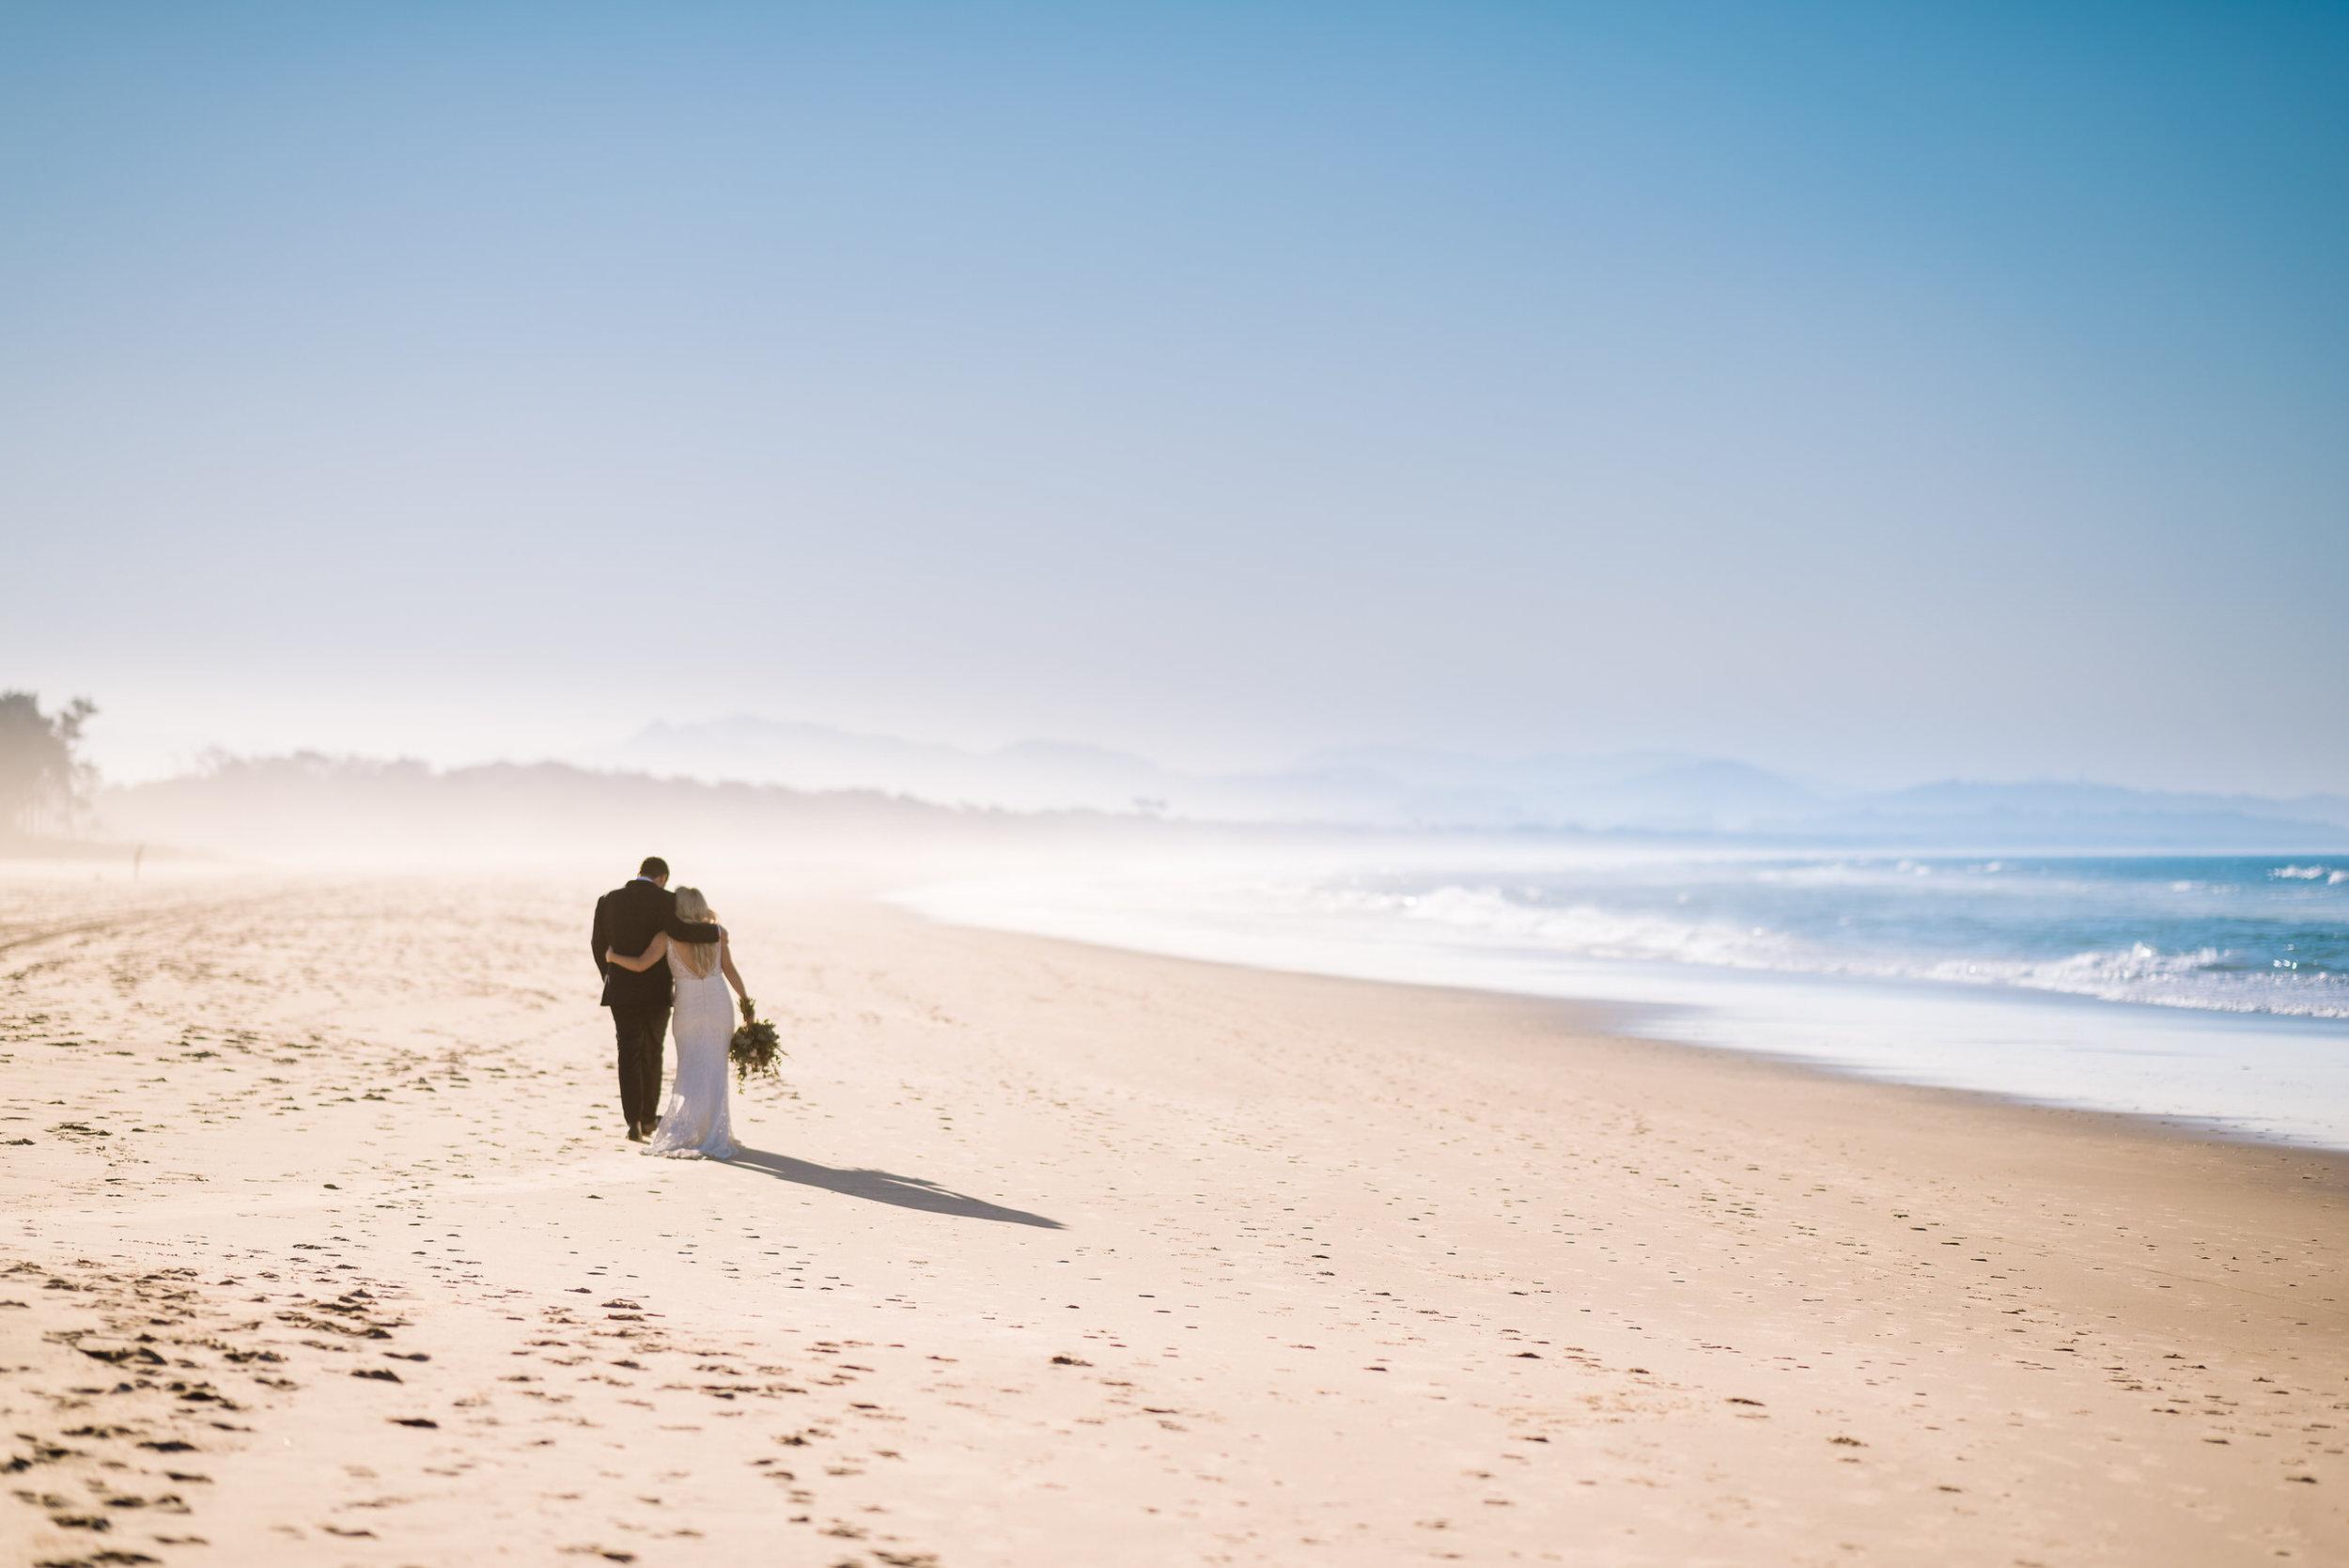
(627, 920)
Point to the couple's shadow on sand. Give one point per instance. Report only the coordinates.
(883, 1186)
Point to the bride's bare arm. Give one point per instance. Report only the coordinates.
(725, 962)
(644, 960)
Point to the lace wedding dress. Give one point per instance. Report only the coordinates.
(694, 1123)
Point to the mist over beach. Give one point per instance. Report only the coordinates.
(1513, 784)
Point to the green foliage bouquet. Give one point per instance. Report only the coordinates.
(753, 1048)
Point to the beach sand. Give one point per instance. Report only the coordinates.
(324, 1249)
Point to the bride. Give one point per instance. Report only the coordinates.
(694, 1123)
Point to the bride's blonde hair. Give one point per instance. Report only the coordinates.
(701, 958)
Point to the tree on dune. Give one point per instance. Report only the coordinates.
(43, 787)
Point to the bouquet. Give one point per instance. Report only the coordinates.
(753, 1048)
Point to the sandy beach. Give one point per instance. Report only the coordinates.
(325, 1249)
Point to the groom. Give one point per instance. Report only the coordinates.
(627, 919)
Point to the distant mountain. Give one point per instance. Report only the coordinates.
(1403, 788)
(1033, 775)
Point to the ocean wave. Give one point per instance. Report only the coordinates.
(2203, 979)
(2206, 978)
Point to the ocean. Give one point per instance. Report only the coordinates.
(2207, 991)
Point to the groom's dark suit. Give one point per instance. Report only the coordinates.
(627, 920)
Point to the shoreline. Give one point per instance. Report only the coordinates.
(1622, 1022)
(1052, 1253)
(1762, 1012)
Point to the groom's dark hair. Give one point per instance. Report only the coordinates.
(654, 866)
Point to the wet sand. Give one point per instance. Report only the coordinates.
(324, 1249)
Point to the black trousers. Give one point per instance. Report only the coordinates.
(640, 1031)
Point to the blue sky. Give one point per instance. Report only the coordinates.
(1881, 392)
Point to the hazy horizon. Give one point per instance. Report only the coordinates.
(1869, 396)
(761, 779)
(637, 754)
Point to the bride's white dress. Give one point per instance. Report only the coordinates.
(693, 1122)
